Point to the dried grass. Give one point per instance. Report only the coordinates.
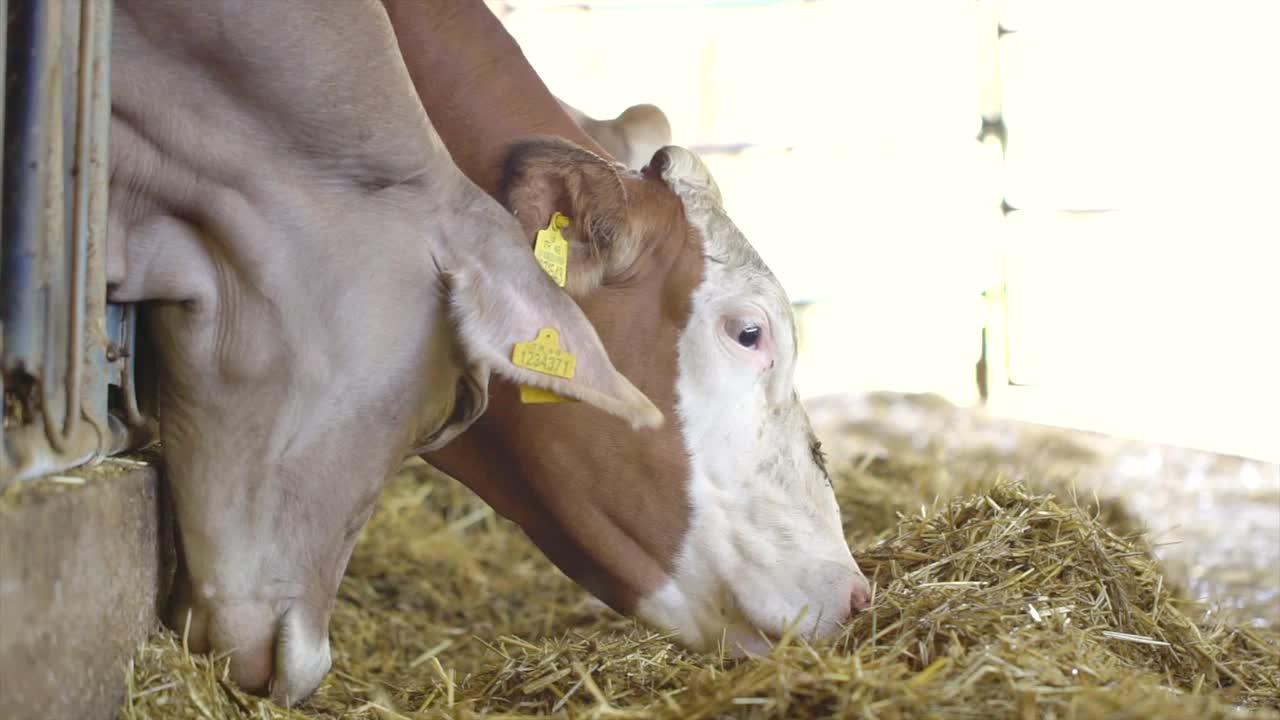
(994, 599)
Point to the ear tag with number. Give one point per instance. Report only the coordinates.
(551, 250)
(543, 355)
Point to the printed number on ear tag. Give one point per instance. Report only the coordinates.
(551, 249)
(543, 355)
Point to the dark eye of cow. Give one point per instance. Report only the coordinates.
(749, 336)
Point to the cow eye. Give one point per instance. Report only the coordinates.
(747, 330)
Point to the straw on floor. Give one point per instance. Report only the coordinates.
(994, 599)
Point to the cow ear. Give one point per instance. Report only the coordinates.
(685, 173)
(543, 176)
(513, 319)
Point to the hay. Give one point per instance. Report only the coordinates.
(1002, 602)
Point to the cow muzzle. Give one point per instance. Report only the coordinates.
(281, 654)
(746, 612)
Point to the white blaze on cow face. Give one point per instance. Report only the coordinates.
(765, 547)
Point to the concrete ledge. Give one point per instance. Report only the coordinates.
(84, 563)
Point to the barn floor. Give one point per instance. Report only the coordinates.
(1001, 602)
(1215, 518)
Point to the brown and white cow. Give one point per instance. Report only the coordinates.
(327, 293)
(722, 526)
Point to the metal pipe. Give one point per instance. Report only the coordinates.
(98, 366)
(24, 131)
(4, 73)
(80, 224)
(52, 232)
(128, 382)
(53, 256)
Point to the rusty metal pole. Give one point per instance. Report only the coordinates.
(54, 356)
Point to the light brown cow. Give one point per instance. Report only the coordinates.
(327, 293)
(632, 137)
(721, 526)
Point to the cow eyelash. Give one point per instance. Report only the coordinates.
(820, 457)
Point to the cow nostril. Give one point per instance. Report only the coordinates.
(860, 596)
(253, 667)
(244, 634)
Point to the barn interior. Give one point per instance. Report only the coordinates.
(1031, 250)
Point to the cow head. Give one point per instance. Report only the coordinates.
(292, 390)
(722, 526)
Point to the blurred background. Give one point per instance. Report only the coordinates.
(1065, 212)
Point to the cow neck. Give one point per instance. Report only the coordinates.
(543, 466)
(476, 85)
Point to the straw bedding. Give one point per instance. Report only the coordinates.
(994, 599)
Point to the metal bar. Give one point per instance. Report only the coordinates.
(993, 362)
(23, 299)
(78, 176)
(58, 219)
(98, 366)
(52, 228)
(4, 67)
(53, 259)
(129, 381)
(81, 176)
(4, 77)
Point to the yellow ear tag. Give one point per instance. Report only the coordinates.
(551, 251)
(530, 395)
(545, 356)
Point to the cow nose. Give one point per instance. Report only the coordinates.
(206, 628)
(285, 659)
(860, 596)
(245, 631)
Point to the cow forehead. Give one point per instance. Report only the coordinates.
(736, 273)
(736, 276)
(733, 267)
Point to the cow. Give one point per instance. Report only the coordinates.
(327, 295)
(722, 526)
(632, 137)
